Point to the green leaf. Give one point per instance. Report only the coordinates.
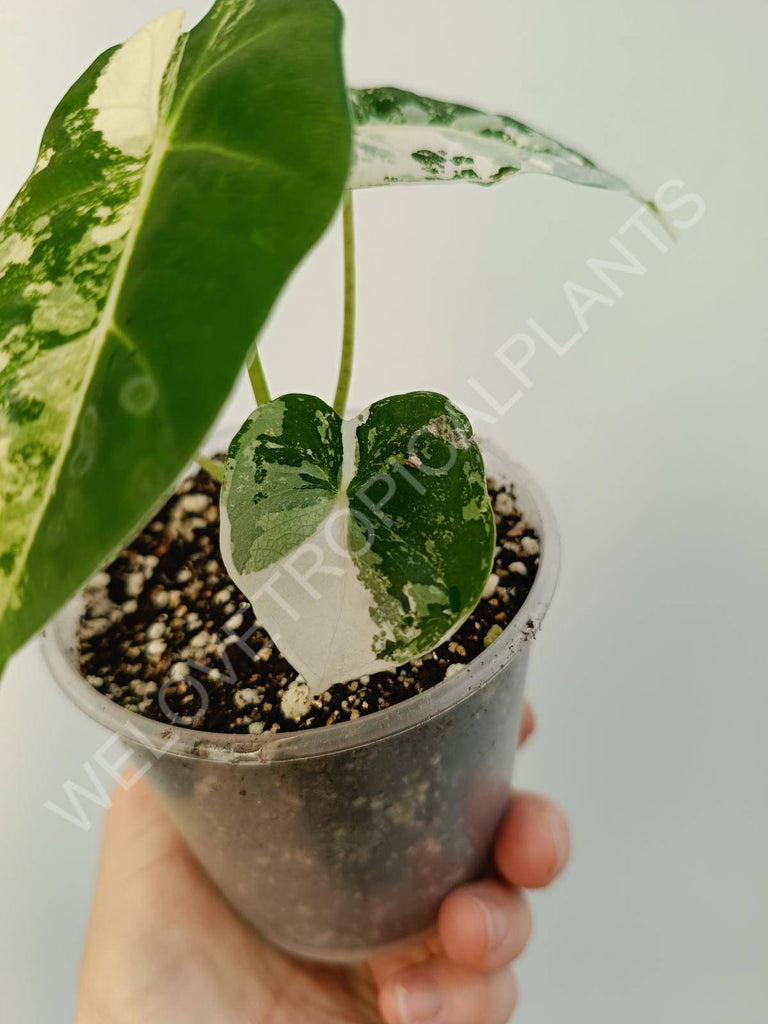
(404, 138)
(179, 183)
(360, 543)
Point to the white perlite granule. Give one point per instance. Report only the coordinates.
(490, 586)
(194, 502)
(296, 701)
(246, 697)
(504, 504)
(155, 648)
(134, 583)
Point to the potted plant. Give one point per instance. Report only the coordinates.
(328, 700)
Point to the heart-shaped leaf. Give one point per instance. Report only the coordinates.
(360, 543)
(179, 183)
(404, 138)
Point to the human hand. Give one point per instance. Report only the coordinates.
(163, 947)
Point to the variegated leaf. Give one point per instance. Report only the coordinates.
(361, 543)
(404, 138)
(179, 183)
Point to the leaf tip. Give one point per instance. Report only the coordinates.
(661, 219)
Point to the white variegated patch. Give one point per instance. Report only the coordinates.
(126, 101)
(360, 543)
(15, 249)
(402, 138)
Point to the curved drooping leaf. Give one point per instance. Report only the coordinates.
(400, 137)
(179, 183)
(360, 543)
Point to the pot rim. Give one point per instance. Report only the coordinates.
(59, 648)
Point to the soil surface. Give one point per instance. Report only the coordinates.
(167, 634)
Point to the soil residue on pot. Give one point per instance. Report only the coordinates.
(167, 634)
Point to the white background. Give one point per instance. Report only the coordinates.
(650, 437)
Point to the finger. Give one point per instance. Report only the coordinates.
(533, 842)
(485, 926)
(442, 993)
(387, 965)
(527, 723)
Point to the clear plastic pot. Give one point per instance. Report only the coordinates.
(338, 842)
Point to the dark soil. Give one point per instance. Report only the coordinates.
(166, 633)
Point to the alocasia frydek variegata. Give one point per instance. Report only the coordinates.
(179, 183)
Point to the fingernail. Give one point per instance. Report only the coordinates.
(496, 921)
(561, 837)
(420, 1001)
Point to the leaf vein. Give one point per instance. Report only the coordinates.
(229, 154)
